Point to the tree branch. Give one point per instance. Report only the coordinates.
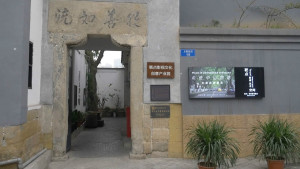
(243, 11)
(100, 57)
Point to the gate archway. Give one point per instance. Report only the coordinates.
(70, 23)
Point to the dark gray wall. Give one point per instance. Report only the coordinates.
(277, 51)
(200, 13)
(14, 47)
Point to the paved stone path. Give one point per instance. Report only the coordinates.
(107, 141)
(103, 148)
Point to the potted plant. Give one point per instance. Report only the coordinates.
(106, 112)
(276, 141)
(211, 145)
(81, 118)
(91, 119)
(74, 119)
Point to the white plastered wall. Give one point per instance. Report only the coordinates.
(36, 38)
(110, 81)
(79, 79)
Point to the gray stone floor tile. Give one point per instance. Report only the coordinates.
(103, 148)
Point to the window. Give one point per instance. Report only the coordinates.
(30, 65)
(75, 95)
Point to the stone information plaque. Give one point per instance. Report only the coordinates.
(162, 111)
(160, 92)
(160, 70)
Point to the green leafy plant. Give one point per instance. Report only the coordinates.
(81, 117)
(117, 102)
(102, 102)
(275, 140)
(107, 112)
(213, 24)
(77, 118)
(210, 142)
(74, 116)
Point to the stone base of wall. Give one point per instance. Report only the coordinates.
(163, 136)
(25, 140)
(175, 125)
(241, 125)
(166, 137)
(9, 166)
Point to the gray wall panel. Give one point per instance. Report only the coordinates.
(14, 46)
(163, 46)
(282, 78)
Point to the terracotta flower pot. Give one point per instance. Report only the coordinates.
(275, 164)
(202, 166)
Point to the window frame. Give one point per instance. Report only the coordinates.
(30, 64)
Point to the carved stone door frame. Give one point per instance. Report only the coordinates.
(66, 27)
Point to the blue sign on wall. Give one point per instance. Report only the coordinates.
(188, 52)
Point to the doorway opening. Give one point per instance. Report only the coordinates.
(113, 99)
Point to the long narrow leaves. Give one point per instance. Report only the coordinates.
(276, 139)
(211, 143)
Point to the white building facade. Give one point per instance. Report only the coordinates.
(36, 17)
(79, 79)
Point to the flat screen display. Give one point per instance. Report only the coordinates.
(211, 82)
(226, 82)
(249, 82)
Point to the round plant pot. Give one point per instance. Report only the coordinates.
(275, 164)
(91, 120)
(202, 166)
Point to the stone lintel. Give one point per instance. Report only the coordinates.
(97, 17)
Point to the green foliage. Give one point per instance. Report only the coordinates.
(211, 143)
(102, 102)
(276, 15)
(117, 102)
(213, 24)
(276, 139)
(292, 6)
(74, 116)
(107, 109)
(107, 112)
(77, 116)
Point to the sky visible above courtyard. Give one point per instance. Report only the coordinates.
(111, 59)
